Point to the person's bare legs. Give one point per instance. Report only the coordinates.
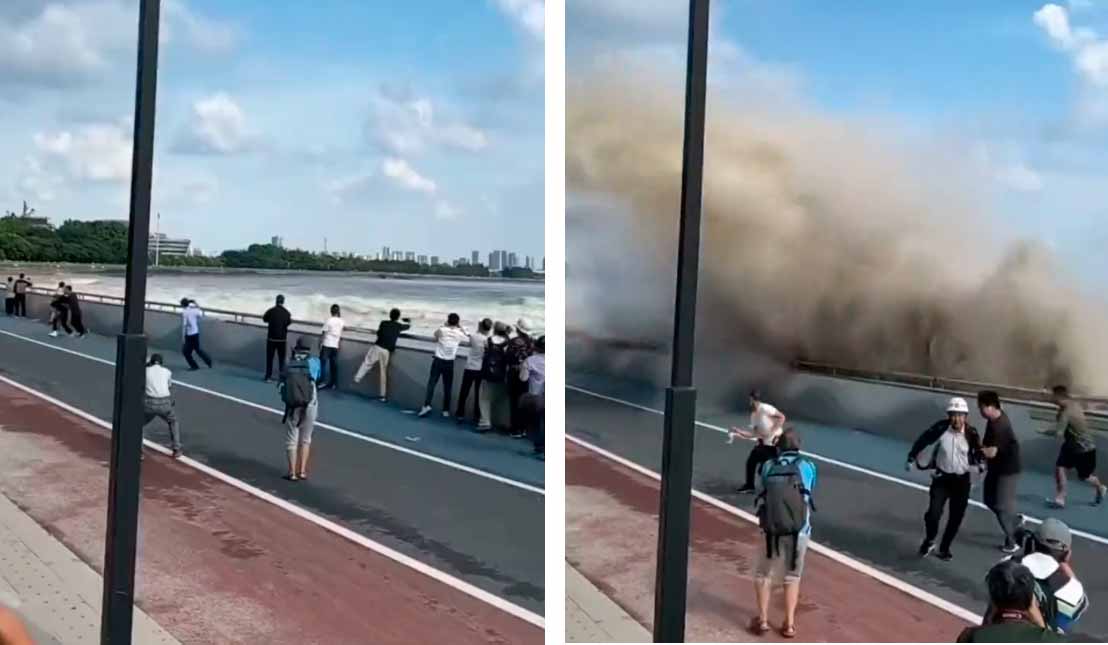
(792, 598)
(292, 461)
(1060, 486)
(302, 470)
(762, 590)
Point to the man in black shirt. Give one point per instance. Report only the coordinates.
(74, 307)
(388, 332)
(1002, 450)
(1014, 615)
(278, 318)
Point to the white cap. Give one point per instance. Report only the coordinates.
(958, 405)
(524, 325)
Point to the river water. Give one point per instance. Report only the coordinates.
(364, 299)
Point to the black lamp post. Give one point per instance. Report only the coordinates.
(671, 580)
(127, 412)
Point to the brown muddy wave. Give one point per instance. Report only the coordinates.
(822, 240)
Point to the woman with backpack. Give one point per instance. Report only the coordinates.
(298, 391)
(494, 376)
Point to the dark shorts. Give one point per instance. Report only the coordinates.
(1083, 462)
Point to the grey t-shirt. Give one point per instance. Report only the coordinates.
(1072, 422)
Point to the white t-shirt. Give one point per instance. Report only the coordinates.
(332, 332)
(762, 422)
(157, 382)
(477, 342)
(448, 338)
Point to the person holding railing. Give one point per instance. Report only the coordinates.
(471, 378)
(447, 339)
(190, 334)
(388, 332)
(533, 403)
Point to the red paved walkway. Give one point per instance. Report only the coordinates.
(611, 537)
(217, 565)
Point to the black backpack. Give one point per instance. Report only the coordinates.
(494, 367)
(784, 504)
(297, 386)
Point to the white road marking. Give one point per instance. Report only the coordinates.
(841, 558)
(322, 522)
(319, 424)
(842, 464)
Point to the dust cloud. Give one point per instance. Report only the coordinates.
(824, 239)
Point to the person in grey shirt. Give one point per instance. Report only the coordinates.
(957, 450)
(1078, 449)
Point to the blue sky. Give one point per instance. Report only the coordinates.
(413, 125)
(1021, 88)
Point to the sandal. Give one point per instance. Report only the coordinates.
(788, 631)
(758, 626)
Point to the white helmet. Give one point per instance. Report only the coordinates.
(957, 405)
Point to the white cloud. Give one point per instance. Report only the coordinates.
(404, 124)
(94, 152)
(1089, 51)
(65, 42)
(445, 211)
(530, 14)
(217, 126)
(403, 175)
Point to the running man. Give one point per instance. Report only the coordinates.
(957, 450)
(1002, 450)
(73, 304)
(59, 312)
(766, 423)
(159, 402)
(1078, 449)
(190, 334)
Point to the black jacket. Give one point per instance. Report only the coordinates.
(932, 434)
(279, 320)
(388, 332)
(73, 304)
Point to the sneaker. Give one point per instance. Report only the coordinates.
(945, 556)
(384, 399)
(53, 334)
(267, 380)
(926, 548)
(445, 414)
(746, 490)
(424, 411)
(83, 335)
(1009, 547)
(1055, 504)
(483, 428)
(1100, 495)
(177, 454)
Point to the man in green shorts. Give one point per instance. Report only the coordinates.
(1078, 449)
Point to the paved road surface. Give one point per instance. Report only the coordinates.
(876, 521)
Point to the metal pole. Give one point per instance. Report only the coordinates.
(127, 412)
(671, 579)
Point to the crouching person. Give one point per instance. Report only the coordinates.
(299, 393)
(784, 505)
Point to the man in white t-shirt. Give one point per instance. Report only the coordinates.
(447, 339)
(159, 400)
(766, 423)
(472, 376)
(329, 349)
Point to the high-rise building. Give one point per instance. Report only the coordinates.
(434, 260)
(529, 263)
(544, 264)
(277, 241)
(475, 257)
(397, 256)
(385, 254)
(494, 261)
(513, 260)
(503, 259)
(409, 256)
(423, 259)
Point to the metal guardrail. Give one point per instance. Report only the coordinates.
(234, 316)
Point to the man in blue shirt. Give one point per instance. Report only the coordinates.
(784, 498)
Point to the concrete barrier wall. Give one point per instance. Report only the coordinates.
(243, 344)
